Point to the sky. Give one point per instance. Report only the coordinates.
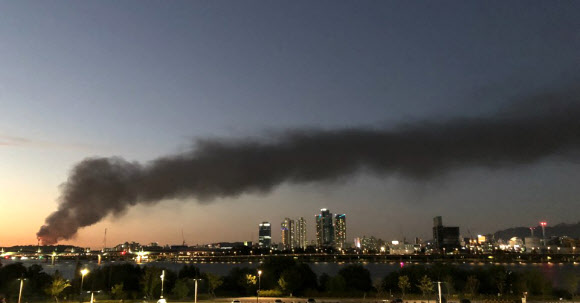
(145, 79)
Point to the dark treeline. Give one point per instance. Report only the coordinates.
(279, 277)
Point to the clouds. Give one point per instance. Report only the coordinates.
(13, 141)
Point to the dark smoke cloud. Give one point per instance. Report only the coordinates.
(543, 126)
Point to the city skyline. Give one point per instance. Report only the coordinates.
(150, 119)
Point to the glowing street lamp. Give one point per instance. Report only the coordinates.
(195, 300)
(21, 286)
(162, 278)
(259, 285)
(84, 272)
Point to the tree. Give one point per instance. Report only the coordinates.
(356, 277)
(249, 282)
(283, 284)
(180, 290)
(471, 286)
(118, 292)
(213, 282)
(291, 280)
(449, 285)
(336, 284)
(500, 282)
(379, 286)
(251, 279)
(571, 283)
(189, 271)
(323, 281)
(404, 284)
(150, 280)
(425, 285)
(57, 286)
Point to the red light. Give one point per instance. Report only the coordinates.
(402, 264)
(543, 223)
(123, 253)
(6, 257)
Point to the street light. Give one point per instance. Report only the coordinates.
(195, 300)
(93, 295)
(21, 286)
(162, 278)
(84, 272)
(259, 285)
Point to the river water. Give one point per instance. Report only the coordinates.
(554, 271)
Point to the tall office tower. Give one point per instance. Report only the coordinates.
(340, 231)
(265, 235)
(301, 241)
(446, 238)
(324, 228)
(288, 234)
(437, 221)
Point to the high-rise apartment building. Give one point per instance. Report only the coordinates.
(288, 234)
(324, 228)
(301, 240)
(340, 231)
(265, 235)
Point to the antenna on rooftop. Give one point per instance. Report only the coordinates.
(182, 237)
(105, 241)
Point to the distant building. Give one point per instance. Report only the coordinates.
(340, 231)
(401, 248)
(128, 247)
(370, 244)
(288, 234)
(532, 243)
(357, 242)
(265, 235)
(301, 240)
(446, 238)
(481, 239)
(324, 228)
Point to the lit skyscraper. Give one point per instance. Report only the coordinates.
(265, 235)
(324, 228)
(340, 231)
(301, 240)
(288, 236)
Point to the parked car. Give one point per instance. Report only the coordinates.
(278, 301)
(311, 300)
(236, 301)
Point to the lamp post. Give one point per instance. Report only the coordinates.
(162, 278)
(259, 285)
(195, 298)
(84, 272)
(21, 286)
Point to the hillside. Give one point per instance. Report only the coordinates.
(562, 229)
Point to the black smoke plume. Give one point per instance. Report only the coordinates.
(544, 126)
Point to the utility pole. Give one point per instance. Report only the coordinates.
(439, 289)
